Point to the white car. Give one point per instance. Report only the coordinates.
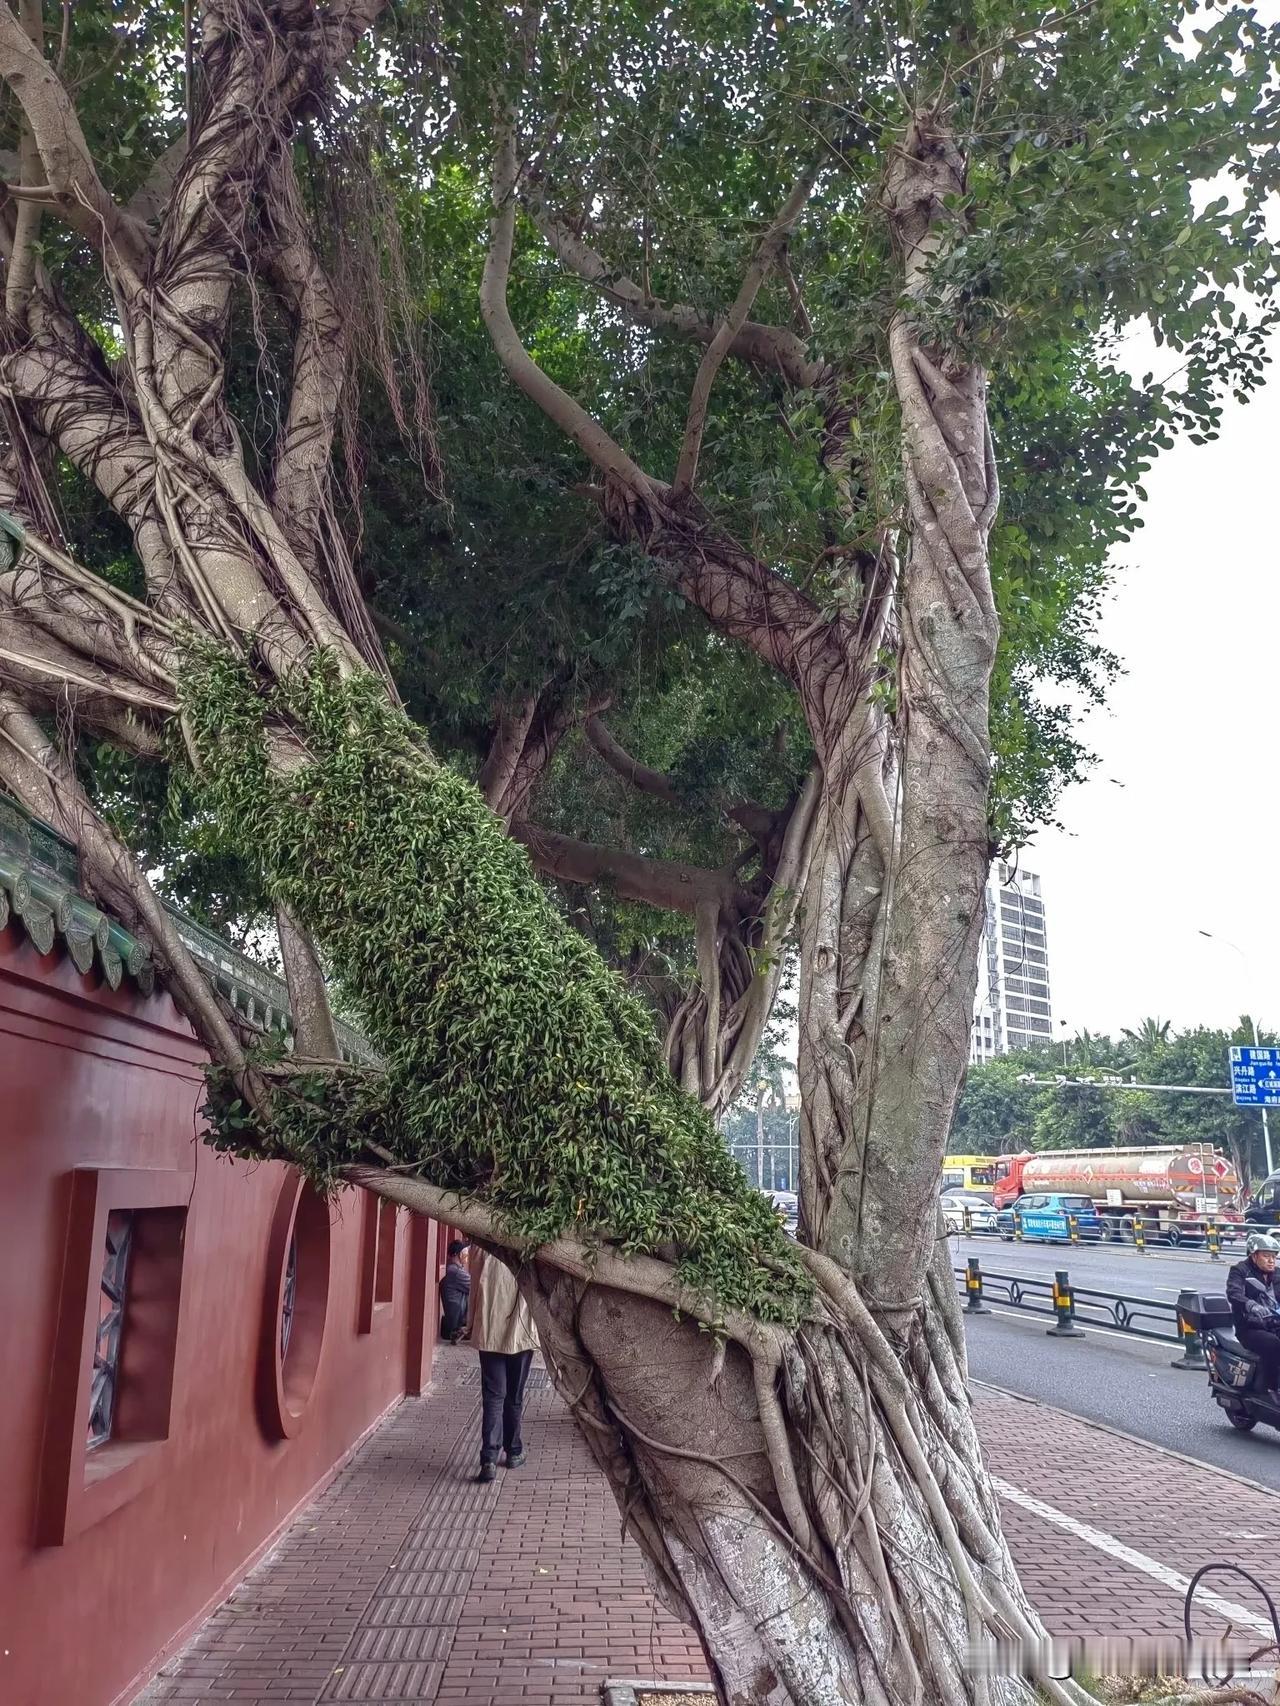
(982, 1214)
(787, 1205)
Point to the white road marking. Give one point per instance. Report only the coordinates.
(1101, 1541)
(1030, 1317)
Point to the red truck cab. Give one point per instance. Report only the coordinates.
(1008, 1181)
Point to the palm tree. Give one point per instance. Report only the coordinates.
(1249, 1031)
(1082, 1047)
(1151, 1034)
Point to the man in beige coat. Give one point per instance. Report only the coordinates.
(502, 1330)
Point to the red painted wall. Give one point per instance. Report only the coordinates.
(91, 1078)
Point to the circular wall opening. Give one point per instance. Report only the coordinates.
(295, 1307)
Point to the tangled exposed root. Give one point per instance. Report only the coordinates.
(878, 1508)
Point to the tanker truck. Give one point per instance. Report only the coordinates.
(1168, 1188)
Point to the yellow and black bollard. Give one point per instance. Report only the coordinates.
(1214, 1238)
(973, 1289)
(1017, 1226)
(1064, 1307)
(1073, 1228)
(1140, 1234)
(966, 1220)
(1192, 1348)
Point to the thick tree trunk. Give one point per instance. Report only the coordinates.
(814, 1504)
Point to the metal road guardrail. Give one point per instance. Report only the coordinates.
(1203, 1232)
(1127, 1314)
(1019, 1291)
(1075, 1308)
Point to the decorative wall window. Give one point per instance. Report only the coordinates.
(111, 1384)
(289, 1296)
(295, 1306)
(384, 1276)
(377, 1261)
(114, 1285)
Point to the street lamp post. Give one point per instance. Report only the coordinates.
(1253, 1020)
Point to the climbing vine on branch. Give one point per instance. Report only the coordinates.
(517, 1071)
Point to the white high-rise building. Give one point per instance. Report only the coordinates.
(1011, 1005)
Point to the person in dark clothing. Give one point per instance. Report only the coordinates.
(455, 1293)
(1255, 1305)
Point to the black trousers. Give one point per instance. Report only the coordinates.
(502, 1383)
(453, 1320)
(1265, 1345)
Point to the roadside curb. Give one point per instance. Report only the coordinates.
(1132, 1439)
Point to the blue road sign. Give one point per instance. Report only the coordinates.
(1255, 1077)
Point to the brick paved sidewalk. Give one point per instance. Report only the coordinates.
(1171, 1515)
(407, 1582)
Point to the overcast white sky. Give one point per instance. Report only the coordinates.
(1177, 829)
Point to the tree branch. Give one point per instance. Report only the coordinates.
(631, 770)
(75, 403)
(124, 647)
(314, 1032)
(261, 69)
(79, 193)
(664, 883)
(341, 27)
(342, 24)
(755, 820)
(526, 738)
(641, 1276)
(554, 717)
(151, 198)
(601, 450)
(299, 480)
(62, 383)
(45, 669)
(768, 349)
(36, 774)
(26, 232)
(745, 600)
(737, 593)
(509, 736)
(770, 247)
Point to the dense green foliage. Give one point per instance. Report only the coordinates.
(666, 137)
(998, 1115)
(517, 1069)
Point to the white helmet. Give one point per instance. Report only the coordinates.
(1261, 1244)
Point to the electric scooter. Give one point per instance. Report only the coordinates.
(1233, 1370)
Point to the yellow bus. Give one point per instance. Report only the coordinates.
(969, 1173)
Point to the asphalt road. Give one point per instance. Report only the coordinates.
(1106, 1267)
(1107, 1377)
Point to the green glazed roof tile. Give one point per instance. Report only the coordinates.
(40, 887)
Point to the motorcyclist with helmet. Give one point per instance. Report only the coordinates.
(1253, 1290)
